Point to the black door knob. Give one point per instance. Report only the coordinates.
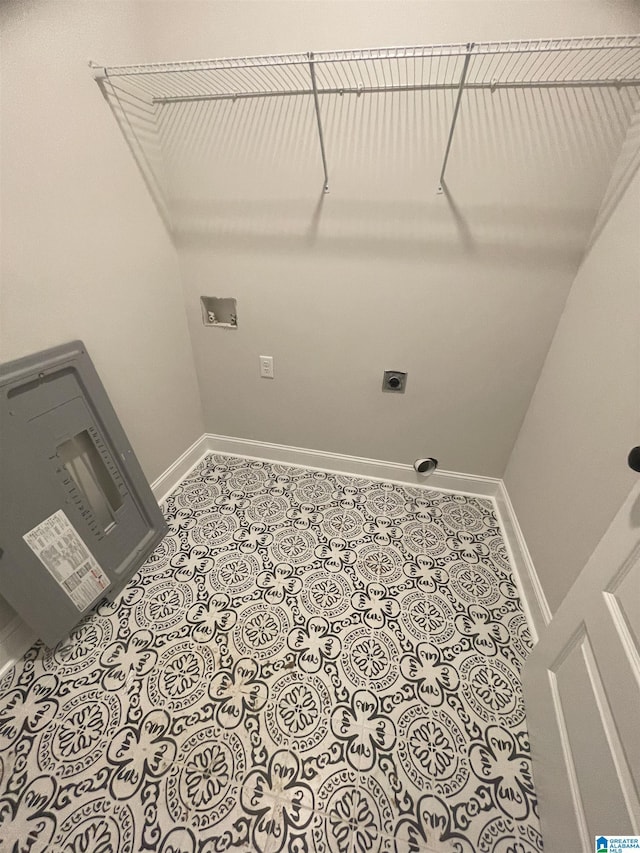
(634, 459)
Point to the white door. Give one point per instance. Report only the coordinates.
(582, 694)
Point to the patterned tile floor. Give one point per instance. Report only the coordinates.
(307, 662)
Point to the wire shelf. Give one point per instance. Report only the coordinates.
(603, 60)
(599, 61)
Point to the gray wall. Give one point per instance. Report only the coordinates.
(567, 476)
(463, 293)
(84, 253)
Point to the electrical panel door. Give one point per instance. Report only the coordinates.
(77, 516)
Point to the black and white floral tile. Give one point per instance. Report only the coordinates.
(307, 662)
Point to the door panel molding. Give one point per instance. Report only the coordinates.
(618, 751)
(567, 752)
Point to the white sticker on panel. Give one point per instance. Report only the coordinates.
(61, 550)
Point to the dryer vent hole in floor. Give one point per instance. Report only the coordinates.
(307, 662)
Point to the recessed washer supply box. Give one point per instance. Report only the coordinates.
(77, 516)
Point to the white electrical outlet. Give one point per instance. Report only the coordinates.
(266, 366)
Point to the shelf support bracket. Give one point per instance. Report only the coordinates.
(316, 102)
(454, 119)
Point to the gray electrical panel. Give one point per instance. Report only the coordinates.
(77, 516)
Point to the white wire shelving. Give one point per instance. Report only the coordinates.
(601, 61)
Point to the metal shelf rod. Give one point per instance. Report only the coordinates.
(463, 77)
(368, 90)
(316, 102)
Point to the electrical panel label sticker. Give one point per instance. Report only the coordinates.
(60, 549)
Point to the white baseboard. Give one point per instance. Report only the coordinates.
(394, 472)
(532, 594)
(178, 470)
